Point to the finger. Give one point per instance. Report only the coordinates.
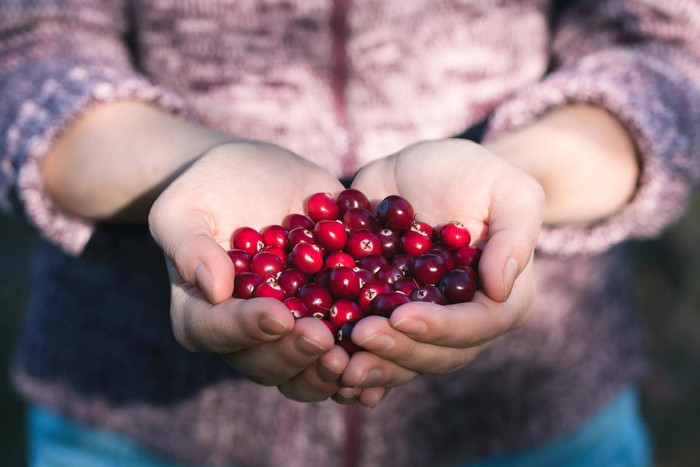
(188, 242)
(347, 396)
(513, 230)
(317, 382)
(227, 327)
(275, 363)
(371, 397)
(366, 370)
(376, 179)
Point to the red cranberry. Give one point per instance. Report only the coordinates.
(344, 283)
(428, 293)
(240, 259)
(395, 212)
(331, 235)
(266, 264)
(454, 235)
(388, 274)
(403, 263)
(405, 285)
(351, 198)
(344, 311)
(386, 303)
(295, 221)
(443, 253)
(415, 243)
(248, 240)
(359, 219)
(339, 258)
(364, 275)
(277, 251)
(468, 256)
(323, 278)
(317, 299)
(274, 235)
(429, 269)
(322, 206)
(307, 258)
(291, 279)
(370, 292)
(297, 307)
(299, 235)
(269, 289)
(372, 263)
(244, 284)
(457, 286)
(424, 228)
(363, 243)
(342, 337)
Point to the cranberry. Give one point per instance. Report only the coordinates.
(444, 253)
(372, 263)
(405, 285)
(322, 206)
(339, 258)
(457, 286)
(240, 259)
(359, 219)
(370, 292)
(363, 243)
(248, 240)
(344, 311)
(395, 212)
(429, 269)
(424, 228)
(428, 293)
(364, 275)
(317, 299)
(331, 235)
(294, 221)
(299, 235)
(270, 289)
(323, 278)
(274, 235)
(388, 274)
(351, 198)
(386, 303)
(403, 263)
(277, 251)
(454, 235)
(415, 243)
(468, 256)
(297, 307)
(307, 258)
(244, 284)
(390, 242)
(342, 337)
(291, 279)
(266, 264)
(344, 283)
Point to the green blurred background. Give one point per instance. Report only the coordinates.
(668, 283)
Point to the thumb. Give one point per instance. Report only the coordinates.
(189, 244)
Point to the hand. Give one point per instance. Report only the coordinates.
(502, 207)
(234, 185)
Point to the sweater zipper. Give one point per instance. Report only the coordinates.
(339, 80)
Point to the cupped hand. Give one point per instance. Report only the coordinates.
(502, 207)
(230, 186)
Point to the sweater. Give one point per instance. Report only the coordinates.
(341, 82)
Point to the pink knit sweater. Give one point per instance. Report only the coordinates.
(344, 82)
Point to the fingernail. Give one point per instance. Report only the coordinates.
(377, 342)
(203, 280)
(272, 326)
(311, 347)
(370, 379)
(327, 374)
(410, 326)
(511, 270)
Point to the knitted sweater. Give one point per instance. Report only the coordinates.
(340, 82)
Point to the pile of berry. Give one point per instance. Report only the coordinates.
(343, 262)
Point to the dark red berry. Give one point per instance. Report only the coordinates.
(248, 240)
(386, 303)
(270, 289)
(415, 243)
(429, 269)
(364, 275)
(428, 293)
(299, 235)
(403, 263)
(405, 285)
(344, 283)
(388, 274)
(457, 286)
(240, 259)
(372, 263)
(344, 311)
(351, 198)
(454, 235)
(322, 206)
(395, 212)
(291, 279)
(370, 292)
(339, 258)
(307, 258)
(359, 219)
(295, 221)
(266, 264)
(390, 242)
(277, 251)
(343, 337)
(424, 228)
(274, 235)
(297, 307)
(444, 253)
(244, 284)
(468, 256)
(363, 243)
(317, 299)
(323, 278)
(331, 235)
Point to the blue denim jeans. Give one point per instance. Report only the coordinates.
(615, 436)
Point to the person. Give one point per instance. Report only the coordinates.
(195, 116)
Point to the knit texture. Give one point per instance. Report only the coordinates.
(97, 343)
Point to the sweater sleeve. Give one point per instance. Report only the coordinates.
(640, 60)
(59, 58)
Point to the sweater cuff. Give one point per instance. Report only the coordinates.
(42, 118)
(650, 105)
